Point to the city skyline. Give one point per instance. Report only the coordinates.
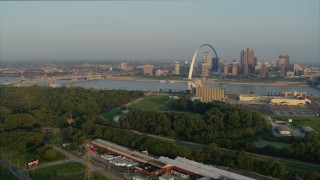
(158, 30)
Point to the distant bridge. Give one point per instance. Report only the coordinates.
(27, 73)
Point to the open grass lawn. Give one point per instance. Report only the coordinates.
(263, 143)
(299, 168)
(110, 113)
(313, 122)
(292, 167)
(155, 102)
(6, 174)
(81, 177)
(59, 170)
(19, 159)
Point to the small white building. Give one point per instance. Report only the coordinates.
(283, 130)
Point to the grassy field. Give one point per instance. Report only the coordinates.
(5, 174)
(160, 102)
(59, 170)
(294, 168)
(110, 113)
(81, 176)
(300, 169)
(19, 159)
(313, 122)
(263, 143)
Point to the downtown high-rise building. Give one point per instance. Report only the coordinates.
(263, 70)
(148, 69)
(283, 59)
(230, 69)
(207, 59)
(283, 63)
(205, 69)
(176, 68)
(247, 61)
(123, 66)
(215, 64)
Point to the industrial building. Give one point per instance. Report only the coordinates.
(186, 166)
(208, 94)
(253, 97)
(151, 166)
(166, 177)
(289, 101)
(148, 165)
(294, 94)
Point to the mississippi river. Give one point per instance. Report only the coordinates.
(230, 88)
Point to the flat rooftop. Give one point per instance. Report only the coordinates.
(201, 169)
(135, 155)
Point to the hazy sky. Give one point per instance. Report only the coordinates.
(158, 30)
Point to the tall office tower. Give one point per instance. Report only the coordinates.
(234, 70)
(205, 70)
(176, 68)
(123, 66)
(230, 69)
(148, 69)
(263, 70)
(283, 70)
(297, 69)
(207, 59)
(158, 72)
(283, 60)
(245, 70)
(220, 69)
(225, 70)
(215, 64)
(284, 57)
(247, 57)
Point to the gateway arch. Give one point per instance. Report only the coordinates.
(194, 58)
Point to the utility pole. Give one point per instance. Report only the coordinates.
(28, 174)
(88, 172)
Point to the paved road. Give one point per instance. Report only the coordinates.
(52, 164)
(95, 168)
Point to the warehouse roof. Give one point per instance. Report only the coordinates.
(201, 169)
(135, 155)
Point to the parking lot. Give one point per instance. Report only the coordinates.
(291, 110)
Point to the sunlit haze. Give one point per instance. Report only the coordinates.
(158, 30)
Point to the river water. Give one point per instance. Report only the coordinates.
(263, 89)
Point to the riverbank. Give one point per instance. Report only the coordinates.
(278, 83)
